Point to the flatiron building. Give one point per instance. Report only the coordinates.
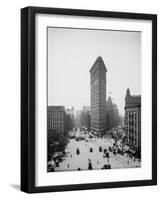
(98, 96)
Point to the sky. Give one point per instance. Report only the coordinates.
(71, 54)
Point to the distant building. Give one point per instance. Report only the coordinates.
(85, 117)
(69, 119)
(78, 119)
(98, 96)
(113, 118)
(56, 118)
(70, 112)
(133, 119)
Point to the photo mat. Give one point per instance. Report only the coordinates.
(94, 99)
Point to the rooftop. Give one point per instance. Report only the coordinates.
(99, 62)
(60, 108)
(132, 100)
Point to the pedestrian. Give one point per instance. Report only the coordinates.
(90, 164)
(57, 163)
(77, 151)
(100, 149)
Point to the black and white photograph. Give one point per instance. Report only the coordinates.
(89, 99)
(93, 99)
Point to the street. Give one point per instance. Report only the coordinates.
(74, 160)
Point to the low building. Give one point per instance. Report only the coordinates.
(56, 118)
(133, 120)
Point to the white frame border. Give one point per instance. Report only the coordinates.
(42, 178)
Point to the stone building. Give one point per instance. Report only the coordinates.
(133, 120)
(98, 96)
(56, 118)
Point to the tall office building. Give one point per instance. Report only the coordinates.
(98, 96)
